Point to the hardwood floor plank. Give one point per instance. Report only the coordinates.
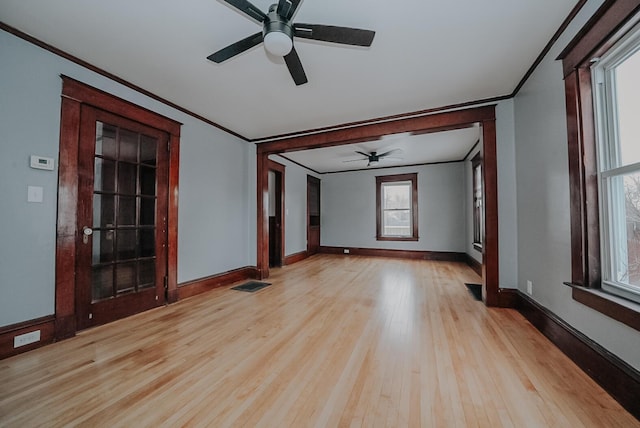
(334, 342)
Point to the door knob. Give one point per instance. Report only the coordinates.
(86, 233)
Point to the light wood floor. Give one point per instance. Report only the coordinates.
(335, 341)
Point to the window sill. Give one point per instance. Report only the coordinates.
(396, 238)
(623, 310)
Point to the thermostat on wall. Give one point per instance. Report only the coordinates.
(40, 162)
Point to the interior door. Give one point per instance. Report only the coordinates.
(313, 216)
(121, 257)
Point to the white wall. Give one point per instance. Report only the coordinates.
(348, 213)
(544, 235)
(217, 182)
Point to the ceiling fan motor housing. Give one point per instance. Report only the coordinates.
(276, 23)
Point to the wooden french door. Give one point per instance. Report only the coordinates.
(121, 248)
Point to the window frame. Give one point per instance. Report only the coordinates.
(477, 211)
(610, 169)
(607, 26)
(380, 181)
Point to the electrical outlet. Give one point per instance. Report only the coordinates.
(27, 338)
(529, 288)
(346, 251)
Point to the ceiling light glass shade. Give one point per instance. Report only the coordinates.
(373, 163)
(278, 43)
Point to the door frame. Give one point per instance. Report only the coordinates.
(427, 123)
(279, 170)
(315, 181)
(74, 95)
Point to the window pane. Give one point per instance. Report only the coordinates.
(128, 146)
(104, 175)
(628, 103)
(396, 195)
(396, 223)
(105, 140)
(127, 177)
(101, 282)
(624, 201)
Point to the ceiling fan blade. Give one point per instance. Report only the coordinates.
(329, 33)
(248, 9)
(295, 67)
(389, 152)
(363, 154)
(236, 48)
(355, 160)
(287, 8)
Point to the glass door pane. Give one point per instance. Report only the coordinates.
(124, 218)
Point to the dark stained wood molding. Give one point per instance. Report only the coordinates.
(299, 164)
(309, 132)
(465, 158)
(74, 95)
(296, 257)
(434, 122)
(394, 166)
(65, 322)
(198, 286)
(280, 169)
(448, 256)
(618, 378)
(604, 28)
(262, 217)
(111, 76)
(508, 298)
(484, 115)
(474, 264)
(622, 310)
(576, 9)
(490, 251)
(46, 325)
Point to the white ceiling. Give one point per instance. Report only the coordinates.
(426, 54)
(411, 150)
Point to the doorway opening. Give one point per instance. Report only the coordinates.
(276, 214)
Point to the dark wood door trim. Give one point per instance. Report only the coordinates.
(280, 212)
(484, 115)
(312, 246)
(74, 95)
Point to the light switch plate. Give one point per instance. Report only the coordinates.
(35, 194)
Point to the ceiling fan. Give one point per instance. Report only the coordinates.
(373, 158)
(278, 32)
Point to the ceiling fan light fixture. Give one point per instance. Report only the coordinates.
(373, 163)
(278, 43)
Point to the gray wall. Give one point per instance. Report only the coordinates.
(348, 217)
(544, 245)
(217, 183)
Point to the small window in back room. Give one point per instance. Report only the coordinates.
(397, 207)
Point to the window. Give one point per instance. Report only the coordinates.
(617, 103)
(601, 92)
(478, 220)
(397, 207)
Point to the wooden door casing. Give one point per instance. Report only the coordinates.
(75, 95)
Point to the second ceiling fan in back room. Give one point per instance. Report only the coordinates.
(278, 32)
